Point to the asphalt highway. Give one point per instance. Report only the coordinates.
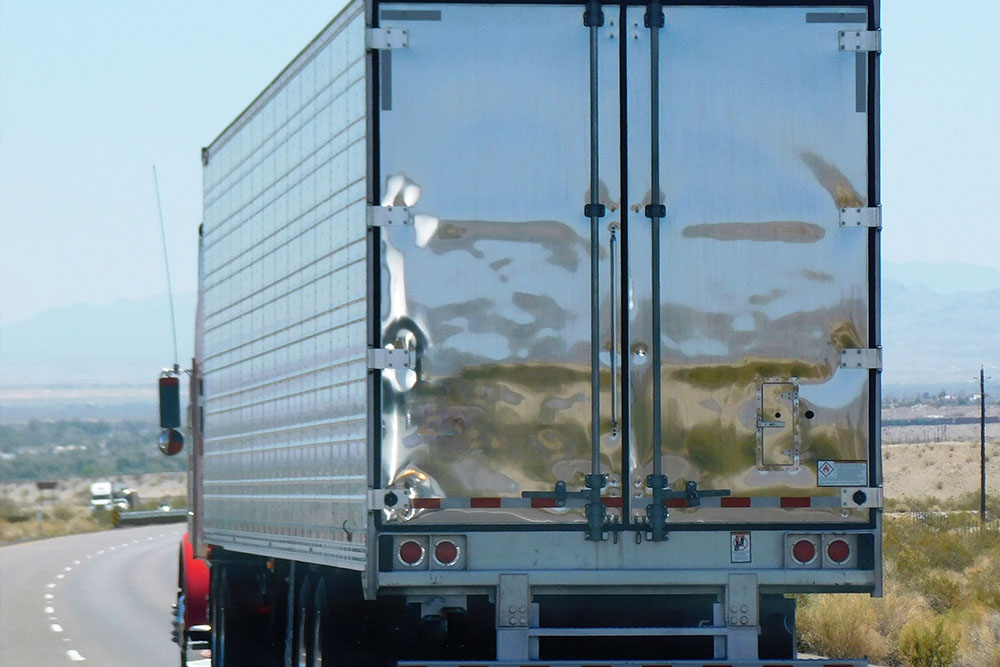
(99, 598)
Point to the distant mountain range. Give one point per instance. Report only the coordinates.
(91, 361)
(939, 323)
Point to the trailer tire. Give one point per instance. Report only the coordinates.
(319, 635)
(341, 633)
(240, 635)
(221, 620)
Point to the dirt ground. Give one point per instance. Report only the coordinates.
(945, 470)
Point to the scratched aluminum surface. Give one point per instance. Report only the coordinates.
(760, 145)
(492, 284)
(284, 294)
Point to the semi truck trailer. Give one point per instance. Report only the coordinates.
(541, 333)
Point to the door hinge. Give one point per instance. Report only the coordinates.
(384, 499)
(382, 359)
(389, 216)
(860, 496)
(861, 217)
(866, 358)
(381, 39)
(860, 40)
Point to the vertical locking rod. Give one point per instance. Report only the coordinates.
(656, 513)
(613, 306)
(593, 18)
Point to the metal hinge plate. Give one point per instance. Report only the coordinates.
(861, 497)
(860, 40)
(861, 217)
(381, 39)
(382, 359)
(383, 499)
(389, 216)
(866, 358)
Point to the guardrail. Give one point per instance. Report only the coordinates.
(144, 517)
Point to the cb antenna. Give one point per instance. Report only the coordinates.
(166, 265)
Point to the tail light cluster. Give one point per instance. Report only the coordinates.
(821, 551)
(434, 552)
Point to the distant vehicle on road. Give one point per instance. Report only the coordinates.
(110, 495)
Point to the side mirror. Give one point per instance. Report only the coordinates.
(170, 442)
(170, 402)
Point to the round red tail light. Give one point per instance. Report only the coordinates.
(411, 552)
(804, 551)
(838, 551)
(445, 552)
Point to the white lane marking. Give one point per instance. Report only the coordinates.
(60, 576)
(49, 596)
(49, 610)
(149, 539)
(90, 556)
(101, 552)
(76, 562)
(75, 656)
(163, 535)
(55, 627)
(50, 586)
(135, 541)
(68, 568)
(112, 548)
(125, 545)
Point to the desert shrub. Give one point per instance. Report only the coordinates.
(928, 643)
(942, 591)
(920, 546)
(63, 512)
(897, 607)
(841, 626)
(10, 509)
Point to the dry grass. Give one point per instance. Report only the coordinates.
(66, 510)
(56, 521)
(941, 603)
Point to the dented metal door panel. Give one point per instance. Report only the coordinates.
(484, 134)
(763, 136)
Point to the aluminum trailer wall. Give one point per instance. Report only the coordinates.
(284, 294)
(442, 300)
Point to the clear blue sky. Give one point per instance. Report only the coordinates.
(92, 94)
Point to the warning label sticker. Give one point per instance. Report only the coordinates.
(740, 543)
(842, 473)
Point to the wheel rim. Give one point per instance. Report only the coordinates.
(317, 636)
(302, 639)
(219, 631)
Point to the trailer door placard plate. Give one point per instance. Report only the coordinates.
(841, 473)
(740, 547)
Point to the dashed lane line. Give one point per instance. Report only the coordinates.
(55, 627)
(75, 656)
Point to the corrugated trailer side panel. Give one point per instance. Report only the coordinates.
(285, 306)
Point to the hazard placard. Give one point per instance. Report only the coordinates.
(841, 473)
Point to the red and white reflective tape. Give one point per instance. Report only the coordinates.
(725, 502)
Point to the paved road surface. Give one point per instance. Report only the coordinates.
(100, 598)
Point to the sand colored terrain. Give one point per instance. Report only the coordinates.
(944, 470)
(76, 491)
